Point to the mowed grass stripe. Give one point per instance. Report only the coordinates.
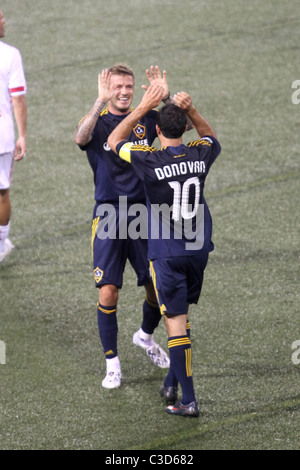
(184, 436)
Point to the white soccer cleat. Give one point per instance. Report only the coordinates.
(153, 350)
(112, 380)
(8, 247)
(158, 356)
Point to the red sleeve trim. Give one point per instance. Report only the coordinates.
(16, 90)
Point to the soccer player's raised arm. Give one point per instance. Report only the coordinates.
(84, 130)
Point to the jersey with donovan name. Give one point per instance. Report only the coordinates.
(179, 220)
(114, 177)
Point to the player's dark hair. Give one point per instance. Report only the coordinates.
(121, 69)
(172, 121)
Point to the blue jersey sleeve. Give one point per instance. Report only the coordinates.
(209, 148)
(137, 155)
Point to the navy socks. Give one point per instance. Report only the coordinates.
(151, 316)
(181, 363)
(108, 329)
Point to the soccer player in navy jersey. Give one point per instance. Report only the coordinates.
(115, 178)
(174, 178)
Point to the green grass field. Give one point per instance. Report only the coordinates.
(238, 60)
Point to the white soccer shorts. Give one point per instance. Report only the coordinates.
(6, 167)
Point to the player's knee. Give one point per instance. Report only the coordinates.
(175, 324)
(108, 295)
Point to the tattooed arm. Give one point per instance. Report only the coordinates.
(84, 130)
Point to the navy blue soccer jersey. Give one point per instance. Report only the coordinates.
(179, 220)
(114, 177)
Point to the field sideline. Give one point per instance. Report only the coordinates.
(238, 61)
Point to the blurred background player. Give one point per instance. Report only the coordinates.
(12, 102)
(174, 176)
(114, 178)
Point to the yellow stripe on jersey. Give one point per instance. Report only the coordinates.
(204, 141)
(94, 229)
(105, 111)
(128, 147)
(142, 148)
(153, 277)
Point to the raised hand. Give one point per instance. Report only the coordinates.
(183, 100)
(104, 91)
(155, 77)
(153, 95)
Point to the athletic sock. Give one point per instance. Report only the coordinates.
(108, 329)
(151, 316)
(171, 380)
(146, 338)
(4, 231)
(181, 362)
(113, 365)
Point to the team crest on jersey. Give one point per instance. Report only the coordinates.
(139, 131)
(98, 273)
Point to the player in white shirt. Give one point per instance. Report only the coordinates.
(12, 102)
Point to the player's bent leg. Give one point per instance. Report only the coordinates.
(108, 332)
(151, 311)
(144, 336)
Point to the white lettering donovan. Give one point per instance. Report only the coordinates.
(182, 168)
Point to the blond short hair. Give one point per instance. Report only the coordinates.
(121, 69)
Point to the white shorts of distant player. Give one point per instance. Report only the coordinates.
(6, 168)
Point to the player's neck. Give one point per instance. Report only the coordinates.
(166, 142)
